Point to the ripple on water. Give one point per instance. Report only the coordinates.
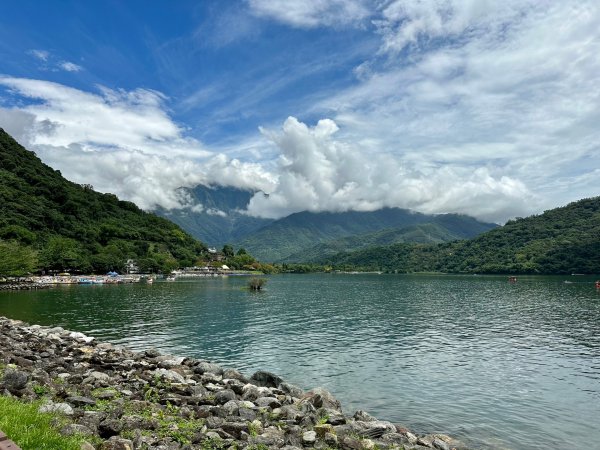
(499, 365)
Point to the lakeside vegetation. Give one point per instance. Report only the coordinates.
(560, 241)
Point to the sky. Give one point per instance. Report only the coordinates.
(484, 107)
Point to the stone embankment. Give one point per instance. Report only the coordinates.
(124, 400)
(21, 286)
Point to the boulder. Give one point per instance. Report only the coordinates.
(117, 443)
(61, 408)
(321, 398)
(265, 379)
(14, 380)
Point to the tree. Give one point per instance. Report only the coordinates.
(228, 251)
(63, 254)
(242, 251)
(16, 260)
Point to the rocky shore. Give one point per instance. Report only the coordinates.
(21, 286)
(124, 400)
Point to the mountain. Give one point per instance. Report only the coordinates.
(442, 228)
(287, 238)
(70, 226)
(559, 241)
(218, 220)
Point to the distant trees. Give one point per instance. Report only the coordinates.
(16, 260)
(228, 251)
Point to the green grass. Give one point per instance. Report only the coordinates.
(31, 430)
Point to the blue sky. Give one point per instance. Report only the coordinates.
(481, 107)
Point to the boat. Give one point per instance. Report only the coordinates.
(171, 278)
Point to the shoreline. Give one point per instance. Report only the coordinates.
(123, 399)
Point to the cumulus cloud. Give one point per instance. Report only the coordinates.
(481, 107)
(70, 67)
(512, 87)
(319, 173)
(122, 142)
(311, 13)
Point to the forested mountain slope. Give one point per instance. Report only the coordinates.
(71, 227)
(441, 228)
(301, 231)
(559, 241)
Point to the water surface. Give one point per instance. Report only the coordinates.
(496, 364)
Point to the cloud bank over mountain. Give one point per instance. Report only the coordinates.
(478, 107)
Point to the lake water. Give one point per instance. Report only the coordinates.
(496, 364)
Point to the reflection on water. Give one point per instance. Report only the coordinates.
(500, 365)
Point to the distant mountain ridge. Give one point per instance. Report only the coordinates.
(563, 240)
(286, 239)
(441, 228)
(218, 218)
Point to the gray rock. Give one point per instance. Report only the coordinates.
(117, 443)
(412, 439)
(80, 401)
(231, 408)
(15, 380)
(168, 361)
(270, 402)
(100, 376)
(247, 414)
(206, 367)
(169, 375)
(271, 437)
(234, 375)
(309, 437)
(265, 379)
(331, 439)
(110, 427)
(224, 396)
(363, 416)
(235, 429)
(440, 445)
(62, 408)
(292, 390)
(251, 392)
(75, 428)
(321, 398)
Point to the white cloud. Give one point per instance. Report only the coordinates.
(311, 13)
(122, 142)
(477, 106)
(320, 173)
(50, 62)
(70, 67)
(510, 87)
(42, 55)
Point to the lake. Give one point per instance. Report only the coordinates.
(496, 364)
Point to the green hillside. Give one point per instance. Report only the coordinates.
(442, 228)
(559, 241)
(220, 220)
(287, 239)
(66, 226)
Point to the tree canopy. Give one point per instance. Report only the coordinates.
(66, 226)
